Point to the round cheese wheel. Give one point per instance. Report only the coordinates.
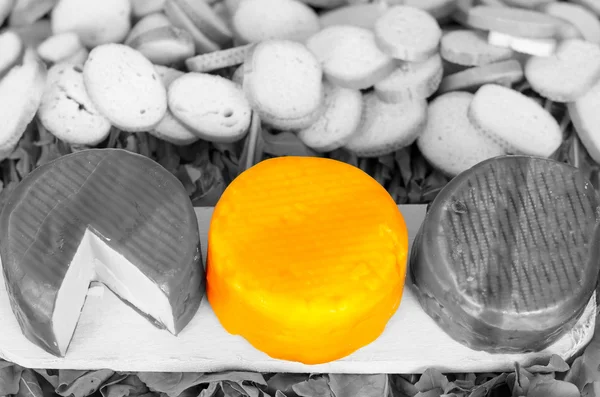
(506, 258)
(104, 215)
(306, 258)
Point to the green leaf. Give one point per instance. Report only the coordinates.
(285, 144)
(556, 364)
(51, 376)
(10, 376)
(174, 383)
(84, 385)
(343, 385)
(432, 379)
(437, 392)
(211, 390)
(552, 388)
(313, 387)
(576, 373)
(485, 388)
(120, 385)
(284, 382)
(29, 385)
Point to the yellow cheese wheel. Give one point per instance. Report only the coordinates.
(306, 258)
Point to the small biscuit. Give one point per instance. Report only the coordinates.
(339, 121)
(96, 22)
(212, 106)
(283, 82)
(387, 127)
(125, 87)
(67, 111)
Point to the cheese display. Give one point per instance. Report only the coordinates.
(311, 275)
(507, 257)
(99, 215)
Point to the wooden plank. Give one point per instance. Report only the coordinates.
(111, 335)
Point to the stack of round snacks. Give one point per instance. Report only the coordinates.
(413, 92)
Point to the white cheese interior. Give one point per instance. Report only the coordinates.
(96, 261)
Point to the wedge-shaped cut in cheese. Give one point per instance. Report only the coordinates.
(104, 215)
(506, 259)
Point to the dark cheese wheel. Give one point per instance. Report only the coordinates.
(105, 215)
(507, 257)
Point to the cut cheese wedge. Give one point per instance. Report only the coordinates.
(104, 215)
(506, 258)
(166, 45)
(299, 270)
(205, 19)
(149, 22)
(514, 21)
(181, 20)
(350, 56)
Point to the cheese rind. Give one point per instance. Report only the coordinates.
(506, 259)
(142, 222)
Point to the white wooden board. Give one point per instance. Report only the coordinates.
(111, 335)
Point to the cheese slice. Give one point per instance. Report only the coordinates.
(506, 258)
(105, 215)
(306, 258)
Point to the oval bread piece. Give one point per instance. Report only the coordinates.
(514, 21)
(408, 33)
(67, 111)
(59, 47)
(471, 48)
(283, 82)
(503, 73)
(439, 9)
(359, 15)
(350, 56)
(12, 49)
(411, 80)
(125, 88)
(147, 23)
(170, 129)
(566, 75)
(337, 265)
(167, 45)
(339, 121)
(258, 20)
(514, 121)
(96, 22)
(586, 119)
(449, 141)
(325, 3)
(387, 127)
(21, 92)
(78, 58)
(580, 17)
(212, 106)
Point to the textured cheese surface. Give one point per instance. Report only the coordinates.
(306, 258)
(509, 251)
(136, 207)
